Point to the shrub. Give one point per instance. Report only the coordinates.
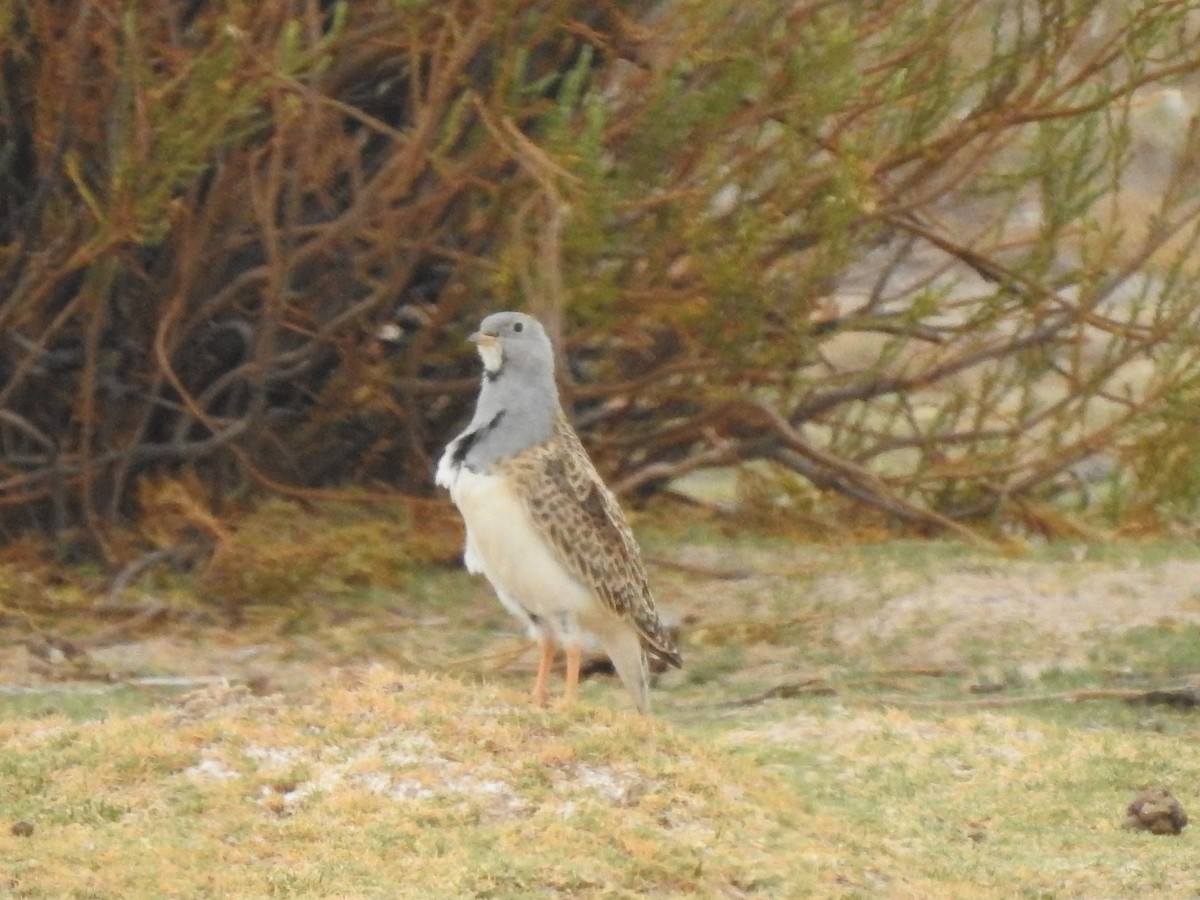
(936, 257)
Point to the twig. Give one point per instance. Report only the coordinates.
(506, 657)
(173, 555)
(856, 482)
(1181, 697)
(815, 686)
(715, 572)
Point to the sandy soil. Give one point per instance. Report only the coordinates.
(933, 613)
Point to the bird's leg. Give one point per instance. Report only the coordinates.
(541, 685)
(574, 655)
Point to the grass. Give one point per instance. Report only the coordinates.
(827, 737)
(378, 784)
(389, 784)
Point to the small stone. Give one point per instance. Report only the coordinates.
(1157, 811)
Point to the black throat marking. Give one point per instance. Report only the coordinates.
(467, 441)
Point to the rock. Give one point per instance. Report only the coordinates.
(1156, 811)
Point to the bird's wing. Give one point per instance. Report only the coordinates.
(570, 505)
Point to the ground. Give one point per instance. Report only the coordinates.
(907, 719)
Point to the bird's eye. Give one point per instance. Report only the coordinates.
(518, 326)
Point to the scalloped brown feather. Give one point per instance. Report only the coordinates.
(570, 505)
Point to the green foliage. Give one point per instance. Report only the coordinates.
(915, 253)
(1167, 459)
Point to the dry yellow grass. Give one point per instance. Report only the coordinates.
(379, 783)
(375, 743)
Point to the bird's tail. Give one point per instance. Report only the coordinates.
(624, 648)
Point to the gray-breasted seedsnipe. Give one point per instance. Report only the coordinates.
(541, 525)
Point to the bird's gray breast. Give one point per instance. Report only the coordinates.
(477, 449)
(511, 417)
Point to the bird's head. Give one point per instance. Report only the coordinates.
(513, 340)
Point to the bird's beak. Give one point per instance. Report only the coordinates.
(483, 337)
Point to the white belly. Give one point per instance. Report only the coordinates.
(504, 545)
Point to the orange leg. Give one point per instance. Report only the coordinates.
(574, 655)
(541, 685)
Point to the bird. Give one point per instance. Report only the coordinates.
(540, 523)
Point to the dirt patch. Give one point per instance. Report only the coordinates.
(753, 612)
(1056, 610)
